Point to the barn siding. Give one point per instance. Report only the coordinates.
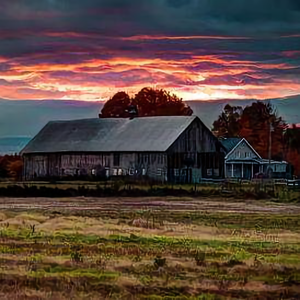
(53, 165)
(197, 143)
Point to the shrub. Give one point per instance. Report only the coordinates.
(200, 258)
(159, 262)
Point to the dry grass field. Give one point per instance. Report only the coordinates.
(148, 248)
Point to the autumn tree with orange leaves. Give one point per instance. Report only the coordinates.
(253, 123)
(149, 102)
(292, 147)
(11, 167)
(255, 127)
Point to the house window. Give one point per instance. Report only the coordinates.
(144, 172)
(115, 172)
(176, 172)
(116, 159)
(131, 172)
(93, 171)
(120, 172)
(159, 172)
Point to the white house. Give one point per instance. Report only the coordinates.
(242, 161)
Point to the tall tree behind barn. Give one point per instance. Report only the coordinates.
(150, 102)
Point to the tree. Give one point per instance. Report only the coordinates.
(292, 138)
(253, 123)
(149, 102)
(228, 123)
(292, 147)
(15, 168)
(116, 106)
(256, 122)
(11, 166)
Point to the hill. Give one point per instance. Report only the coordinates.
(208, 111)
(27, 117)
(12, 145)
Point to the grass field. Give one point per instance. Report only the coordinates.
(148, 248)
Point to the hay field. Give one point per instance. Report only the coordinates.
(148, 248)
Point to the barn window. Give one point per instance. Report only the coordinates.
(146, 158)
(217, 172)
(153, 158)
(139, 158)
(116, 159)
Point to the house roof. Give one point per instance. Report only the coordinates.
(237, 144)
(230, 143)
(148, 134)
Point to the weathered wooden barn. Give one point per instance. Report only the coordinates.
(171, 148)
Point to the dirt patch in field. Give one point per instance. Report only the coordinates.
(155, 203)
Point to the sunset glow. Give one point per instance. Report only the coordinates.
(91, 60)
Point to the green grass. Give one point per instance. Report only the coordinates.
(122, 265)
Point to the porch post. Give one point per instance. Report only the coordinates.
(242, 170)
(252, 171)
(232, 170)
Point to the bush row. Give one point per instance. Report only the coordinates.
(43, 191)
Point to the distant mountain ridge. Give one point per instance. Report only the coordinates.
(27, 117)
(12, 145)
(208, 111)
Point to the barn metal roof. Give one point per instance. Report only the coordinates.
(148, 134)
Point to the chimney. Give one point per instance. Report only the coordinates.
(132, 111)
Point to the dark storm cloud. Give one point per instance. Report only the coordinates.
(127, 17)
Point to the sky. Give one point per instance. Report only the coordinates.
(197, 49)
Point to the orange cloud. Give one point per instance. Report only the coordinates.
(206, 77)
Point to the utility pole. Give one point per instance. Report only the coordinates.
(270, 145)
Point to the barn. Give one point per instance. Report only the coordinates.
(166, 148)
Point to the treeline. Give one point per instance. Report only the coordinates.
(256, 123)
(11, 167)
(147, 102)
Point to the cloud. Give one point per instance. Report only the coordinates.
(90, 49)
